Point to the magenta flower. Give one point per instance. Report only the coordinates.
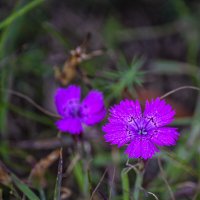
(75, 113)
(143, 132)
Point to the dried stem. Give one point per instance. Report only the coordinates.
(72, 164)
(98, 184)
(57, 192)
(151, 193)
(23, 96)
(179, 88)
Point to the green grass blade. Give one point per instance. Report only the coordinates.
(78, 173)
(8, 44)
(24, 188)
(19, 13)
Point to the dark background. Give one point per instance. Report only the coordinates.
(149, 47)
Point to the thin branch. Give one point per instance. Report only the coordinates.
(165, 180)
(23, 96)
(98, 184)
(179, 88)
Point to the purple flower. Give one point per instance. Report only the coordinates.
(143, 132)
(75, 113)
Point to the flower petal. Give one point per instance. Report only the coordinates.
(158, 113)
(127, 112)
(92, 108)
(71, 125)
(164, 136)
(63, 95)
(117, 133)
(141, 148)
(122, 122)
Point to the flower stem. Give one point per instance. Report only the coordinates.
(138, 184)
(125, 185)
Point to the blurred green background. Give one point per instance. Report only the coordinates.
(149, 47)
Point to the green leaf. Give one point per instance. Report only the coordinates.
(78, 173)
(126, 76)
(24, 188)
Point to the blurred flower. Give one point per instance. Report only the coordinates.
(74, 113)
(141, 131)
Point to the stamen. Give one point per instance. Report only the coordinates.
(150, 120)
(133, 120)
(142, 131)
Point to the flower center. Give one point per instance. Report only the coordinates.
(142, 131)
(72, 108)
(74, 111)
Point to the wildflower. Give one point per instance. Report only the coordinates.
(143, 132)
(75, 113)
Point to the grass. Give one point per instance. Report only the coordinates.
(31, 36)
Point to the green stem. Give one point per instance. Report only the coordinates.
(125, 185)
(138, 184)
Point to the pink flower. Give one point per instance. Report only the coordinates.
(75, 113)
(143, 132)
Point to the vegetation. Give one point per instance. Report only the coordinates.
(126, 49)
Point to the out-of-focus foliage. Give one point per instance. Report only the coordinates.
(124, 77)
(148, 48)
